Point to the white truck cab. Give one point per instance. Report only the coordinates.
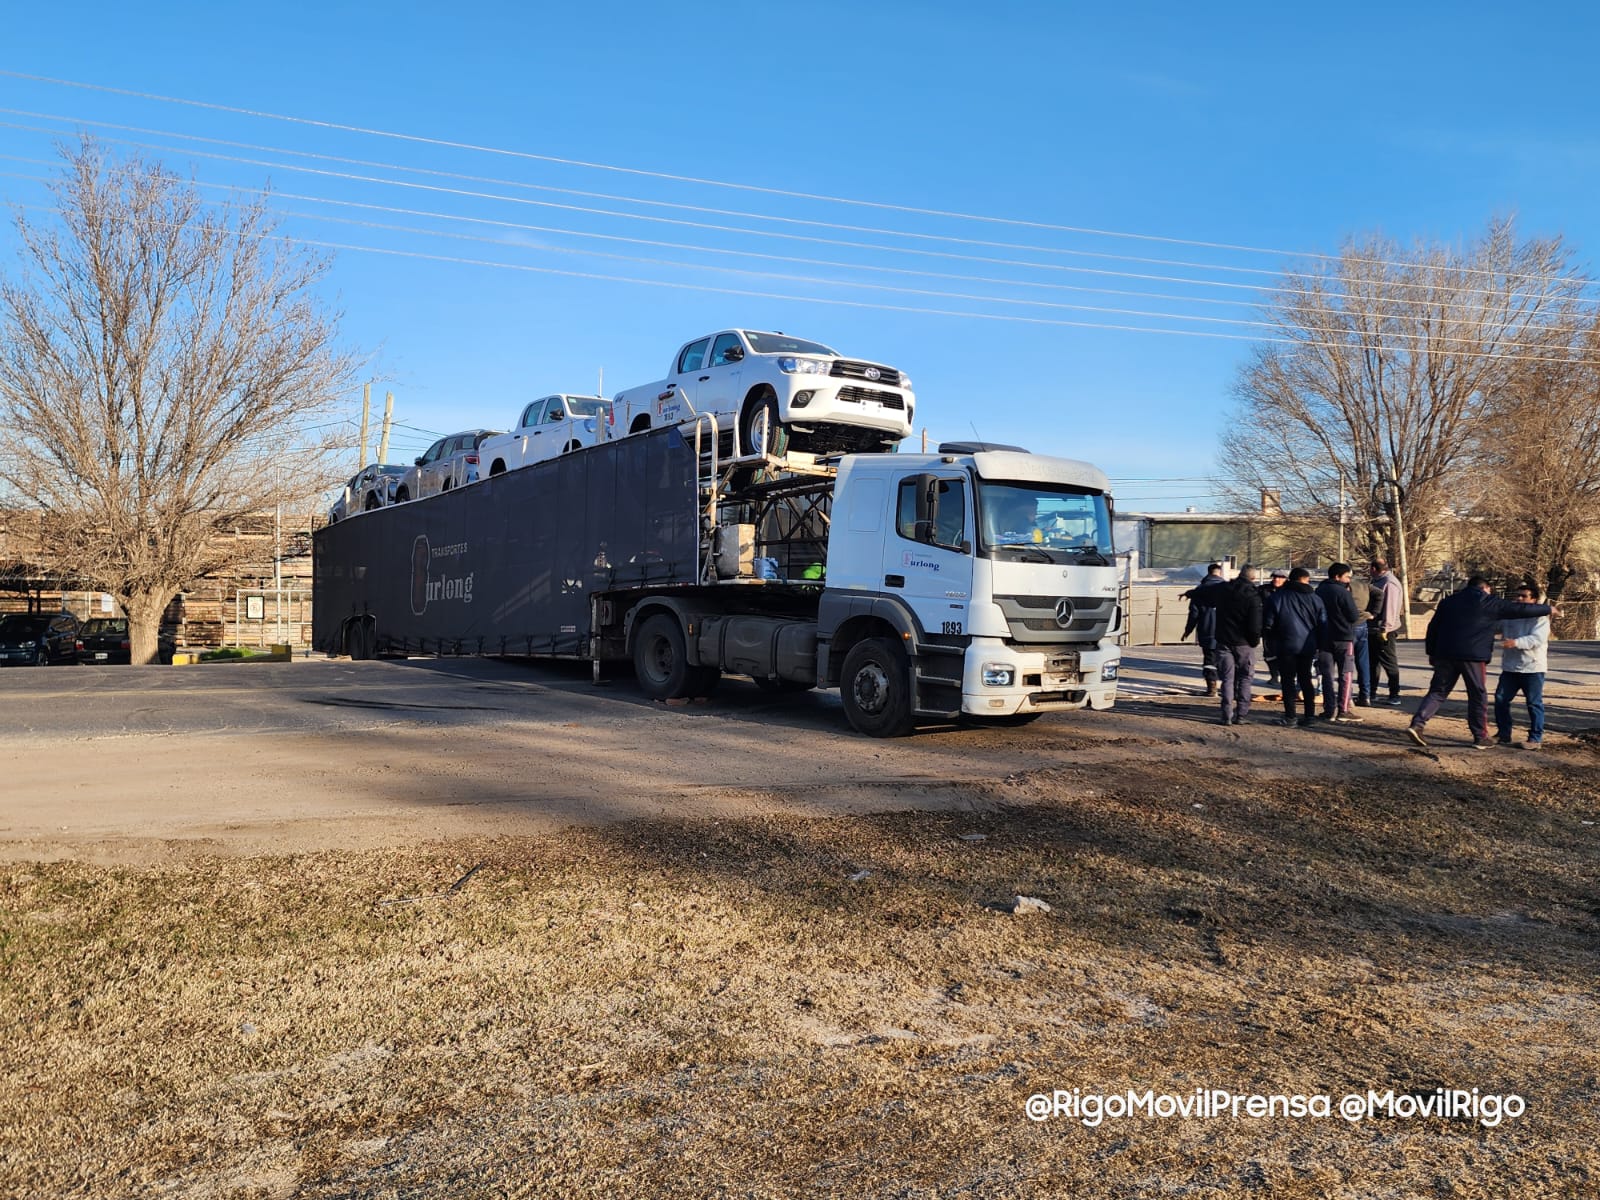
(772, 388)
(994, 570)
(548, 427)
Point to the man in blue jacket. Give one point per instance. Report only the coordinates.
(1202, 623)
(1460, 644)
(1296, 623)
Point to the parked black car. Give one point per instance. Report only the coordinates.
(105, 640)
(38, 638)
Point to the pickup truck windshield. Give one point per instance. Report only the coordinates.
(586, 406)
(777, 343)
(1035, 522)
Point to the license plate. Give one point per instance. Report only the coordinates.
(98, 657)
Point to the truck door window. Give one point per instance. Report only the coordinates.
(532, 414)
(693, 357)
(724, 343)
(950, 522)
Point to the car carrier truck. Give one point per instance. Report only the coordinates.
(974, 582)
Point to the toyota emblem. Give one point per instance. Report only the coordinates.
(873, 373)
(1063, 612)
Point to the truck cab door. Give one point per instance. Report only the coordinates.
(932, 558)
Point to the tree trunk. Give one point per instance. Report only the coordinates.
(144, 611)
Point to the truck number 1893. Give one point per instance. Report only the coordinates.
(952, 627)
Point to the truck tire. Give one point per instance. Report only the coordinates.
(498, 468)
(751, 440)
(876, 688)
(659, 659)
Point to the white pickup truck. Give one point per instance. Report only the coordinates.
(771, 387)
(549, 426)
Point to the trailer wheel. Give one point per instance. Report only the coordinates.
(659, 659)
(876, 688)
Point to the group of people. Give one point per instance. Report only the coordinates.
(1332, 635)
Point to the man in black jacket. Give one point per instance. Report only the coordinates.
(1236, 607)
(1202, 623)
(1337, 661)
(1460, 644)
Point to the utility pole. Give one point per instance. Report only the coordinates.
(366, 414)
(388, 418)
(1341, 514)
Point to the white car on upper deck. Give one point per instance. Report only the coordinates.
(806, 394)
(548, 427)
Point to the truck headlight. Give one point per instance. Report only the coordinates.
(790, 365)
(905, 381)
(998, 674)
(1109, 670)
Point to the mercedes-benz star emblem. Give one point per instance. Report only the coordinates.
(1063, 612)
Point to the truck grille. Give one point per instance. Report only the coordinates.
(1033, 618)
(844, 368)
(856, 395)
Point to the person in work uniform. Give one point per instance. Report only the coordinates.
(1296, 622)
(1202, 623)
(1236, 609)
(1336, 661)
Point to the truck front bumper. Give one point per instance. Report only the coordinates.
(1001, 679)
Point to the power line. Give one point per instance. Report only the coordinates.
(754, 188)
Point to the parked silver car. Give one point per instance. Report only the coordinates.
(369, 488)
(451, 462)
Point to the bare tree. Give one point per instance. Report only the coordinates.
(1538, 461)
(1380, 367)
(163, 369)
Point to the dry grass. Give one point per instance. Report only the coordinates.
(718, 1009)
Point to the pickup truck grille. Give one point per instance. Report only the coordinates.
(844, 368)
(856, 395)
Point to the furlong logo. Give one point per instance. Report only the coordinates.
(425, 586)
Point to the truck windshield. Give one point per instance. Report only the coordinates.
(777, 343)
(1037, 522)
(586, 406)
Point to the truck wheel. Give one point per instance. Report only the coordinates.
(760, 430)
(372, 502)
(876, 688)
(401, 495)
(571, 446)
(659, 659)
(640, 424)
(498, 468)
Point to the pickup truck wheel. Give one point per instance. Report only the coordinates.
(372, 502)
(497, 468)
(402, 495)
(760, 430)
(570, 447)
(640, 424)
(876, 688)
(41, 657)
(659, 659)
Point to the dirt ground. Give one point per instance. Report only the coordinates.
(361, 930)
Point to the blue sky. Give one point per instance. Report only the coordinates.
(1254, 126)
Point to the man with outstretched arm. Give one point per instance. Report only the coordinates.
(1460, 644)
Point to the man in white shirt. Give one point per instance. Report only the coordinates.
(1524, 643)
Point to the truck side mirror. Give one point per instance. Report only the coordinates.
(733, 354)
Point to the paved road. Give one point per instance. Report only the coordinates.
(129, 764)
